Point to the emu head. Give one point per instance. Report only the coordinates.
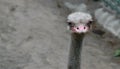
(79, 22)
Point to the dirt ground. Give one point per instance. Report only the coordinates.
(33, 35)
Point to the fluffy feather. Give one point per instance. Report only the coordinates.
(79, 17)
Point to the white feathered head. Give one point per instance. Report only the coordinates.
(79, 22)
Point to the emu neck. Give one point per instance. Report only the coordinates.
(75, 51)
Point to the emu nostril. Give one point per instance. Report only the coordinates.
(84, 27)
(77, 28)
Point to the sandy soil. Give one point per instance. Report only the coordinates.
(33, 35)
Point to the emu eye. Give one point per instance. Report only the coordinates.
(89, 23)
(69, 23)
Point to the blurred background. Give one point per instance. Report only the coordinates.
(33, 34)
